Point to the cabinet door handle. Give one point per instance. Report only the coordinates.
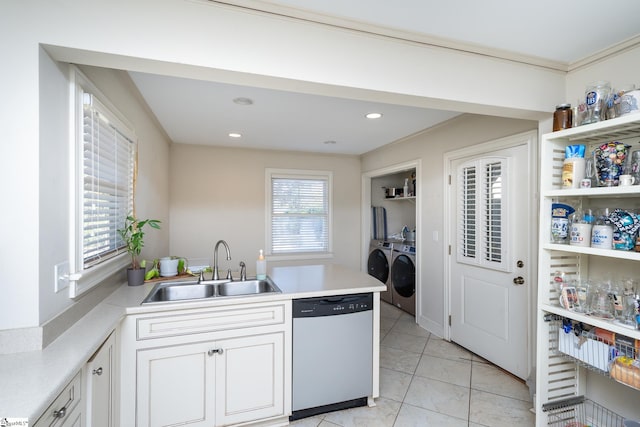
(97, 371)
(214, 351)
(518, 280)
(60, 413)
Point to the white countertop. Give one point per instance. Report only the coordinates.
(32, 380)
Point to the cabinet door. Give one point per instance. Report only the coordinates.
(175, 386)
(100, 385)
(250, 378)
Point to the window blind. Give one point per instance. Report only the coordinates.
(108, 160)
(299, 215)
(482, 214)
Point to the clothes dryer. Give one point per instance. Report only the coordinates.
(379, 265)
(403, 277)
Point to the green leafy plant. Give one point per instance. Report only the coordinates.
(133, 236)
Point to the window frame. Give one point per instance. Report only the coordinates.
(82, 280)
(270, 174)
(481, 201)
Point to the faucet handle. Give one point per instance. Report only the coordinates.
(201, 277)
(229, 277)
(243, 271)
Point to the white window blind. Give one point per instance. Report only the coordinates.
(108, 160)
(482, 214)
(299, 213)
(102, 150)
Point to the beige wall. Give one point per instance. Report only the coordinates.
(430, 147)
(219, 193)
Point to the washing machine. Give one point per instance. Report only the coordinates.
(403, 277)
(379, 265)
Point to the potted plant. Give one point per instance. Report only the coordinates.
(133, 236)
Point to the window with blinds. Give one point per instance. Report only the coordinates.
(107, 181)
(482, 215)
(102, 150)
(299, 212)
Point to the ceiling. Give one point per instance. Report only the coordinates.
(202, 112)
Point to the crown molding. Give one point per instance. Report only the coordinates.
(361, 27)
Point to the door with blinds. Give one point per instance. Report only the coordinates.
(488, 288)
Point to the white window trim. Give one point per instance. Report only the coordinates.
(80, 280)
(297, 173)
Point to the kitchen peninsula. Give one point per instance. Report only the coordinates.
(33, 380)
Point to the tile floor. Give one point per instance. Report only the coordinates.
(426, 381)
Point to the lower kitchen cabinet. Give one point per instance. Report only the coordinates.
(101, 385)
(250, 378)
(227, 381)
(66, 410)
(207, 367)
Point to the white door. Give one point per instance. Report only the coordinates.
(489, 264)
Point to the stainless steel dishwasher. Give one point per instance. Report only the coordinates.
(332, 353)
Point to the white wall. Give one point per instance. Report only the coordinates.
(620, 69)
(219, 193)
(463, 131)
(211, 41)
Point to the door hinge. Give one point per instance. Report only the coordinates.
(449, 320)
(449, 179)
(449, 249)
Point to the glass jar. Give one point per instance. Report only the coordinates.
(562, 117)
(596, 96)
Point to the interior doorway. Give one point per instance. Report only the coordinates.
(389, 224)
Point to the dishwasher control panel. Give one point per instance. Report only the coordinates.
(331, 306)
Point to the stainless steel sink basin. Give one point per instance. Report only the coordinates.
(247, 287)
(185, 291)
(179, 292)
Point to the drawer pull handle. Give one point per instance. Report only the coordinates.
(214, 351)
(60, 413)
(97, 371)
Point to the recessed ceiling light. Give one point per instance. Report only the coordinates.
(329, 142)
(373, 115)
(235, 135)
(243, 101)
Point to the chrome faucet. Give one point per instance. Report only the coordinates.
(243, 271)
(216, 275)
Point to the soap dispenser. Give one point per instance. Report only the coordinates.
(261, 267)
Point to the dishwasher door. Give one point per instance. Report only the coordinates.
(332, 353)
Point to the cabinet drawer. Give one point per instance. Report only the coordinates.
(61, 408)
(209, 320)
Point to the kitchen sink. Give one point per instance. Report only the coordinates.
(185, 291)
(247, 287)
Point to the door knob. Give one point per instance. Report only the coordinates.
(518, 280)
(97, 371)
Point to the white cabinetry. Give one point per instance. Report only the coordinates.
(205, 367)
(101, 388)
(559, 377)
(66, 410)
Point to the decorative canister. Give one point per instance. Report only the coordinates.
(602, 236)
(580, 234)
(610, 159)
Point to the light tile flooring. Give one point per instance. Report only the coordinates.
(426, 381)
